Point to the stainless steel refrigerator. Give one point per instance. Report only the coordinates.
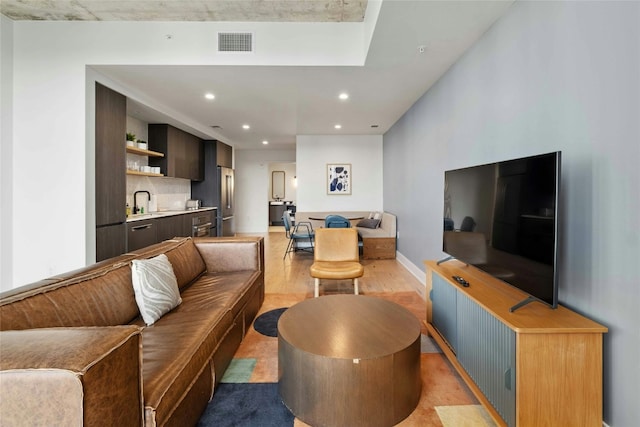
(216, 189)
(226, 226)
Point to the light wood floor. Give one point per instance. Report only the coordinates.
(291, 274)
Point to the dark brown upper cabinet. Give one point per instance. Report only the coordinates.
(183, 152)
(224, 155)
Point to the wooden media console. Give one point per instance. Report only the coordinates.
(535, 366)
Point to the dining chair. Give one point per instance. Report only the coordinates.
(336, 257)
(336, 221)
(301, 236)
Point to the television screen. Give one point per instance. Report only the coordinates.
(502, 218)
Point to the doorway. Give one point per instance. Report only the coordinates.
(281, 193)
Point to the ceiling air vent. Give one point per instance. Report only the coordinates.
(235, 42)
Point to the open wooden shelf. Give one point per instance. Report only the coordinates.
(141, 152)
(130, 172)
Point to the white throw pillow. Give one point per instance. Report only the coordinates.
(155, 287)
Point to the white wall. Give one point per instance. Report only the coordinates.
(252, 177)
(363, 152)
(548, 76)
(139, 128)
(6, 152)
(53, 116)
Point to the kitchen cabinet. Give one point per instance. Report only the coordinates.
(208, 190)
(141, 234)
(110, 241)
(157, 228)
(110, 157)
(183, 152)
(172, 226)
(224, 155)
(110, 166)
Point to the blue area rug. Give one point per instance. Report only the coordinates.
(267, 323)
(246, 405)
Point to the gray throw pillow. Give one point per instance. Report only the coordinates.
(368, 223)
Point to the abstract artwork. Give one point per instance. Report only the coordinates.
(339, 178)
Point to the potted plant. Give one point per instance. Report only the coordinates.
(131, 139)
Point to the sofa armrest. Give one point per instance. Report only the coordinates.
(40, 397)
(225, 254)
(71, 376)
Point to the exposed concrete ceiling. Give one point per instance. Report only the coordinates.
(414, 43)
(186, 10)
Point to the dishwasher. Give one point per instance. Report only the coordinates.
(140, 234)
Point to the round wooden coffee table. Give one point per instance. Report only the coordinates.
(349, 360)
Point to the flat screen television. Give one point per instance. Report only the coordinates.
(502, 218)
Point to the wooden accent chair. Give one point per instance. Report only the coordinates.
(336, 256)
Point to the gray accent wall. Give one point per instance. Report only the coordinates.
(547, 76)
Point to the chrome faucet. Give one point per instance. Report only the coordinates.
(136, 209)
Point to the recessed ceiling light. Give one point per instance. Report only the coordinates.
(209, 95)
(265, 142)
(343, 96)
(338, 126)
(246, 126)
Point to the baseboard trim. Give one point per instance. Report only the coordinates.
(415, 271)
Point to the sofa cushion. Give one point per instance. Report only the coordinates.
(231, 289)
(178, 347)
(183, 255)
(155, 287)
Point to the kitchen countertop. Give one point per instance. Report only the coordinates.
(161, 214)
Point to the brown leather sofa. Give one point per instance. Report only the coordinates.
(74, 350)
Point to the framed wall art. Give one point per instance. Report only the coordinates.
(339, 178)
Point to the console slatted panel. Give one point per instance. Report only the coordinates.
(481, 338)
